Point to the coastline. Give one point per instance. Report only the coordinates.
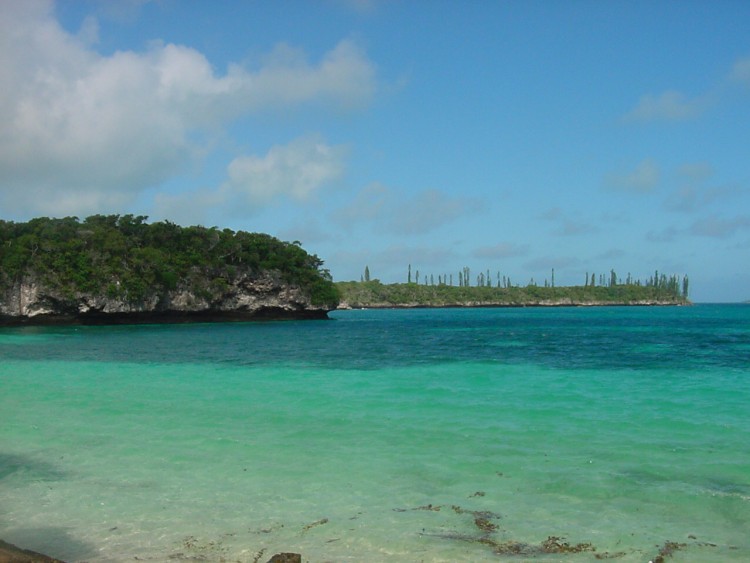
(345, 306)
(165, 317)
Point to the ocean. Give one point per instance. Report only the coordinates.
(435, 435)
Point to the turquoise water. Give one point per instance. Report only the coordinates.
(416, 435)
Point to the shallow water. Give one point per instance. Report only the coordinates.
(415, 435)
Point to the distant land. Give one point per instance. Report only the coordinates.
(376, 295)
(109, 269)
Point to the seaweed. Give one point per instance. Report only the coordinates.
(552, 545)
(667, 550)
(431, 507)
(314, 524)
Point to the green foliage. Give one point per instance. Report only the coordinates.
(376, 294)
(126, 257)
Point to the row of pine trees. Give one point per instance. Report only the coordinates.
(669, 284)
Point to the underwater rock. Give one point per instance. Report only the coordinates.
(286, 558)
(9, 553)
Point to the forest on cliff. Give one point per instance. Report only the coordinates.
(125, 257)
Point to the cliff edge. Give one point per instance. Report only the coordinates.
(112, 269)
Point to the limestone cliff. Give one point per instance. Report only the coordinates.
(122, 269)
(246, 297)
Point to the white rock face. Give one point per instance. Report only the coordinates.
(246, 296)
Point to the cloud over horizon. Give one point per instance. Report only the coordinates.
(81, 132)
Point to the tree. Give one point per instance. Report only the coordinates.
(367, 273)
(685, 286)
(408, 279)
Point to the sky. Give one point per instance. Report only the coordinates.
(515, 136)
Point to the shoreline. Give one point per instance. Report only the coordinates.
(165, 317)
(514, 305)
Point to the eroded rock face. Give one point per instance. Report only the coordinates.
(245, 297)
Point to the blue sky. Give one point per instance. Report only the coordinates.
(514, 136)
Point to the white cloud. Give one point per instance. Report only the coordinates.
(296, 171)
(81, 132)
(642, 179)
(668, 106)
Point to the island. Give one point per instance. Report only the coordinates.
(659, 290)
(111, 269)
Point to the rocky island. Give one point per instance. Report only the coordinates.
(121, 269)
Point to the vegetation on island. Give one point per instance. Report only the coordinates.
(499, 290)
(127, 258)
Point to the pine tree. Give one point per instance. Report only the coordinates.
(367, 273)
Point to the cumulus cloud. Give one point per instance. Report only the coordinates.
(642, 179)
(80, 131)
(295, 171)
(668, 106)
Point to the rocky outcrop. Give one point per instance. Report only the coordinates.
(246, 297)
(9, 553)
